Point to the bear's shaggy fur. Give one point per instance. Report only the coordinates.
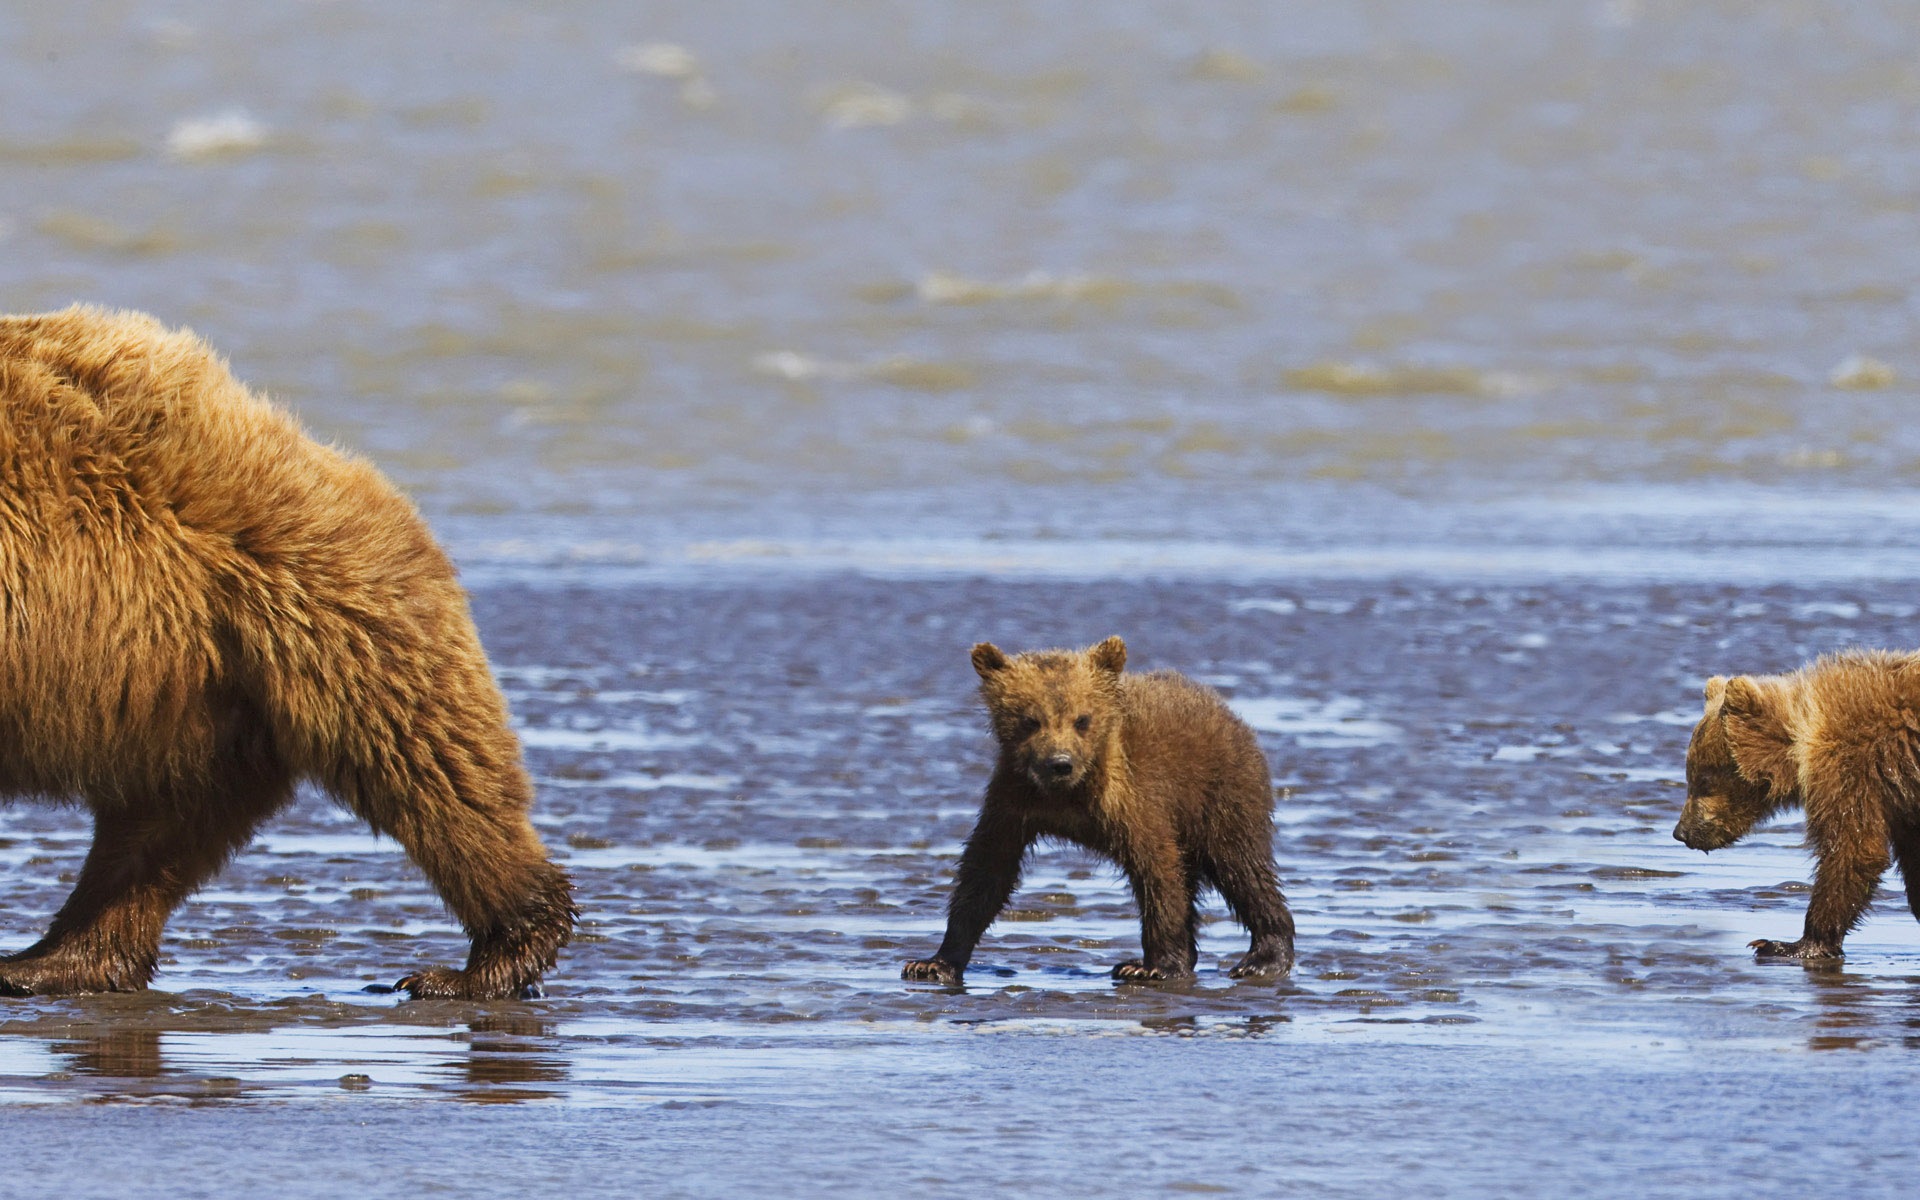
(1151, 771)
(1839, 738)
(199, 606)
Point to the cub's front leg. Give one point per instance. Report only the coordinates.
(1169, 926)
(1843, 887)
(989, 871)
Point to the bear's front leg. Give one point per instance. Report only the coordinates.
(1843, 887)
(989, 871)
(509, 955)
(1168, 923)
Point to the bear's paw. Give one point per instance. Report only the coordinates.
(932, 970)
(444, 983)
(1802, 950)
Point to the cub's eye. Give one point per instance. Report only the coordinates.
(1026, 726)
(1082, 723)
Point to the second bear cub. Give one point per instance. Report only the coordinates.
(1839, 738)
(1152, 771)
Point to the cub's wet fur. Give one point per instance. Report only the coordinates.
(1839, 738)
(1151, 771)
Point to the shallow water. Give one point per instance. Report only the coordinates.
(1454, 387)
(1476, 784)
(1099, 270)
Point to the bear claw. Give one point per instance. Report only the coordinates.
(1135, 971)
(931, 970)
(436, 984)
(1255, 968)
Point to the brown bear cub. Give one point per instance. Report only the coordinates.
(1152, 771)
(200, 606)
(1839, 738)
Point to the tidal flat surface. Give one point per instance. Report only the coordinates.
(1509, 973)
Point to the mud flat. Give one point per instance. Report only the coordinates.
(1509, 972)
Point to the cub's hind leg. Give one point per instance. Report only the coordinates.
(1253, 893)
(1240, 865)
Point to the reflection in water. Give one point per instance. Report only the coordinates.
(115, 1052)
(501, 1059)
(506, 1054)
(1252, 1027)
(1847, 1007)
(1854, 1011)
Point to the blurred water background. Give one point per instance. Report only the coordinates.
(1454, 386)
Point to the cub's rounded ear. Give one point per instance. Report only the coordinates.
(1109, 656)
(987, 659)
(1757, 734)
(1716, 686)
(1740, 697)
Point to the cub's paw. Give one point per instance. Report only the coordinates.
(932, 970)
(1802, 950)
(1257, 965)
(1136, 971)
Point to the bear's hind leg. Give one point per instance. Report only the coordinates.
(143, 863)
(1247, 883)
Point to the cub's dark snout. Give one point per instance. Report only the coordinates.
(1057, 766)
(1697, 830)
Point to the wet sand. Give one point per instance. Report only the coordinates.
(961, 1115)
(1509, 972)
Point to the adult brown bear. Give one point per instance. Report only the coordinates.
(200, 606)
